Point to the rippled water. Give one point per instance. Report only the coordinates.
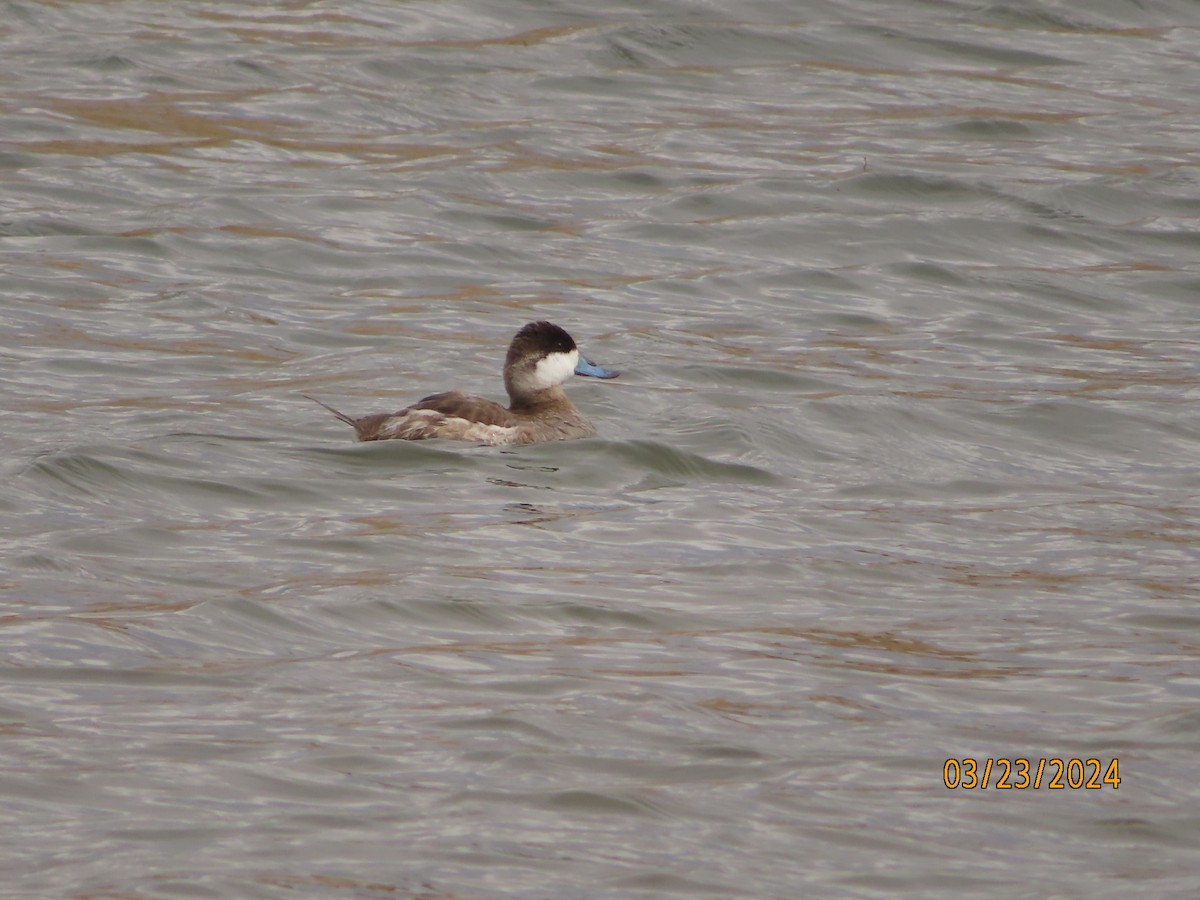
(902, 467)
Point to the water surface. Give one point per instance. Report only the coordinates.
(902, 466)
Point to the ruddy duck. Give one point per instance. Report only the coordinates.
(541, 358)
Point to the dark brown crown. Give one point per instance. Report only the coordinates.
(538, 340)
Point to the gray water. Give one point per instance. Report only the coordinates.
(902, 466)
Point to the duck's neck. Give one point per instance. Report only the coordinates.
(530, 403)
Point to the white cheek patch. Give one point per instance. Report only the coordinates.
(554, 370)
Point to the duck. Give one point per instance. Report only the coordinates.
(541, 359)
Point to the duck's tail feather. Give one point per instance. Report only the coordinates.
(341, 415)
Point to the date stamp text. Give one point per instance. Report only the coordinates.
(1056, 774)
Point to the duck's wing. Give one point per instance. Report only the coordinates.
(457, 405)
(452, 416)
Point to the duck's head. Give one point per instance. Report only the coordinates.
(541, 358)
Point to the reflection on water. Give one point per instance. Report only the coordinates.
(900, 468)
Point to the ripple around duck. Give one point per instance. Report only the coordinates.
(673, 463)
(82, 473)
(391, 456)
(749, 377)
(131, 482)
(603, 462)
